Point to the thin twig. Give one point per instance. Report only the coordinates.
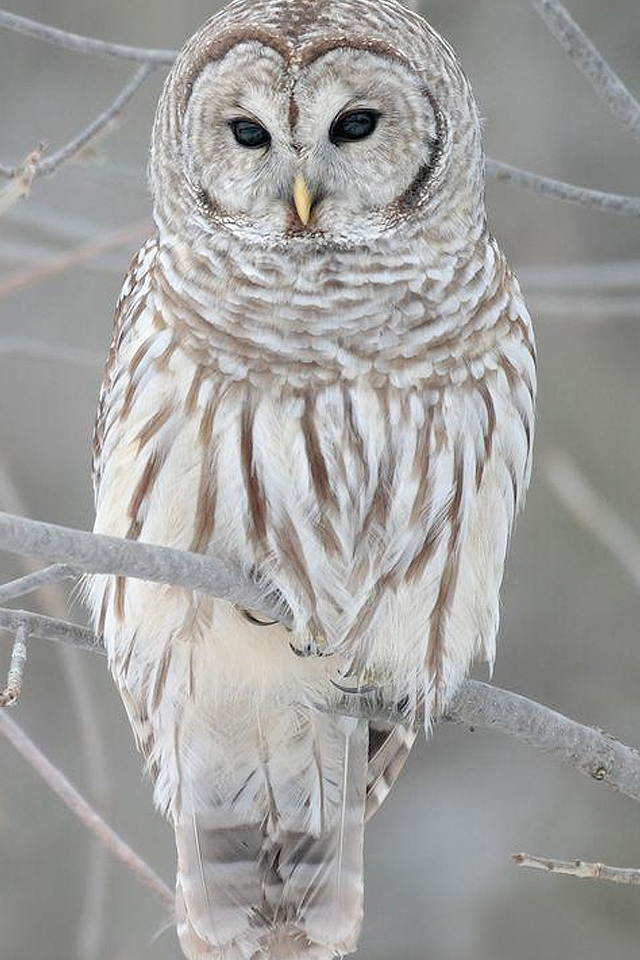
(57, 781)
(86, 251)
(81, 44)
(32, 349)
(581, 869)
(50, 628)
(588, 59)
(593, 309)
(594, 513)
(559, 190)
(71, 149)
(588, 277)
(55, 573)
(13, 688)
(20, 180)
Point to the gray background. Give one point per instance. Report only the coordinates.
(439, 881)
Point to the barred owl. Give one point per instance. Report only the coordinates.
(322, 367)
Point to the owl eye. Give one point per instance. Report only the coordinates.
(355, 125)
(250, 134)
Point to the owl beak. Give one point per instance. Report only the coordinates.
(302, 199)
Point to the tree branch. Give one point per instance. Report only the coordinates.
(94, 553)
(569, 192)
(587, 749)
(590, 62)
(593, 513)
(80, 44)
(50, 628)
(590, 751)
(71, 149)
(580, 868)
(57, 781)
(56, 573)
(22, 279)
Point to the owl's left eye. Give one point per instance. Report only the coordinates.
(249, 133)
(355, 125)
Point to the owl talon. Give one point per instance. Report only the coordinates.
(252, 618)
(358, 691)
(310, 648)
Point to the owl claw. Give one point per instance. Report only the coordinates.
(252, 618)
(310, 648)
(359, 691)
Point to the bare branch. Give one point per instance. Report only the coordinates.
(49, 628)
(580, 868)
(86, 251)
(588, 750)
(51, 352)
(56, 573)
(21, 179)
(13, 688)
(594, 513)
(586, 277)
(75, 41)
(594, 309)
(95, 553)
(559, 190)
(606, 83)
(57, 781)
(53, 601)
(71, 149)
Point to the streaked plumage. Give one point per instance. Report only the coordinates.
(345, 406)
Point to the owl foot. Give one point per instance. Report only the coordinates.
(314, 646)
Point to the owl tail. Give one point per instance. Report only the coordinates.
(275, 872)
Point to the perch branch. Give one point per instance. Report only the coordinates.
(75, 41)
(95, 553)
(588, 59)
(57, 781)
(580, 868)
(590, 751)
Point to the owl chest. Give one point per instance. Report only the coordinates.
(200, 462)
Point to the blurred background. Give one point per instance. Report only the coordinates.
(440, 884)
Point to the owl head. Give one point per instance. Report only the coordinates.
(332, 122)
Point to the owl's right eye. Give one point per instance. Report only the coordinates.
(249, 133)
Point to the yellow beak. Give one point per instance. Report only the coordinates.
(302, 199)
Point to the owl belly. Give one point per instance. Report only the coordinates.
(368, 508)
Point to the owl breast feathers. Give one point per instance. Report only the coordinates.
(322, 367)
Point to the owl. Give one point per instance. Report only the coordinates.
(323, 368)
